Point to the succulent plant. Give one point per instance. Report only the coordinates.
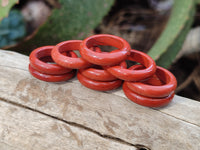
(12, 28)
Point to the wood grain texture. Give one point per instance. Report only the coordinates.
(110, 114)
(23, 129)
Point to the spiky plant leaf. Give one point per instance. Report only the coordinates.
(170, 42)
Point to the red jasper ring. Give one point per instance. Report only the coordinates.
(98, 85)
(135, 75)
(149, 89)
(146, 101)
(153, 80)
(99, 74)
(41, 55)
(66, 61)
(104, 58)
(51, 78)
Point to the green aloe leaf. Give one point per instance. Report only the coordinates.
(197, 1)
(5, 6)
(170, 42)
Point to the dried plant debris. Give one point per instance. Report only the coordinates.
(35, 14)
(187, 72)
(191, 43)
(139, 22)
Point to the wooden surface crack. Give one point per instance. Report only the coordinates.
(177, 117)
(119, 96)
(109, 137)
(77, 117)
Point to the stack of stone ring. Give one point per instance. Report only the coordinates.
(49, 72)
(145, 84)
(156, 91)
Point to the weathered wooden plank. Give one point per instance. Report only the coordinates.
(180, 107)
(23, 129)
(107, 113)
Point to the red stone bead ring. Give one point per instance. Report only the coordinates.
(145, 84)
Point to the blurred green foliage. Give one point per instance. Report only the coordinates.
(197, 1)
(12, 28)
(171, 40)
(5, 7)
(75, 19)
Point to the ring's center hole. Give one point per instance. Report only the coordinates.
(153, 80)
(76, 51)
(47, 59)
(105, 48)
(98, 67)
